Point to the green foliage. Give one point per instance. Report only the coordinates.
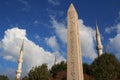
(58, 67)
(3, 77)
(39, 73)
(105, 67)
(87, 69)
(88, 77)
(25, 78)
(62, 75)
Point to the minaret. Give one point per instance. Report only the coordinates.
(20, 61)
(74, 55)
(55, 61)
(99, 46)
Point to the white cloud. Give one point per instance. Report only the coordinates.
(114, 45)
(52, 42)
(115, 28)
(9, 57)
(87, 37)
(54, 2)
(114, 42)
(60, 29)
(109, 29)
(34, 55)
(118, 28)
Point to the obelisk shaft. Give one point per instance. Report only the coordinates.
(20, 61)
(74, 55)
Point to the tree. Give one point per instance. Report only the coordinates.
(39, 73)
(105, 67)
(58, 68)
(62, 75)
(3, 77)
(88, 77)
(25, 78)
(87, 69)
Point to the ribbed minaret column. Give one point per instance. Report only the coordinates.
(20, 61)
(99, 46)
(74, 55)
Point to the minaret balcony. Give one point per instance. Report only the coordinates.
(20, 61)
(18, 71)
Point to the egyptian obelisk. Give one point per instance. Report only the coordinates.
(20, 61)
(99, 46)
(74, 55)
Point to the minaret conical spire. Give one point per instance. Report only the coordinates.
(20, 61)
(99, 46)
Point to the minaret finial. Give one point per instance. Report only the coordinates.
(20, 61)
(99, 46)
(22, 45)
(97, 30)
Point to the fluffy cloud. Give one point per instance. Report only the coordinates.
(52, 42)
(9, 57)
(60, 29)
(114, 42)
(87, 37)
(114, 45)
(113, 28)
(110, 29)
(34, 55)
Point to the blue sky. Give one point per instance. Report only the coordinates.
(43, 25)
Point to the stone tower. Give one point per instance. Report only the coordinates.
(99, 46)
(74, 55)
(20, 61)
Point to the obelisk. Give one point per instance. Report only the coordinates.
(74, 55)
(20, 61)
(99, 46)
